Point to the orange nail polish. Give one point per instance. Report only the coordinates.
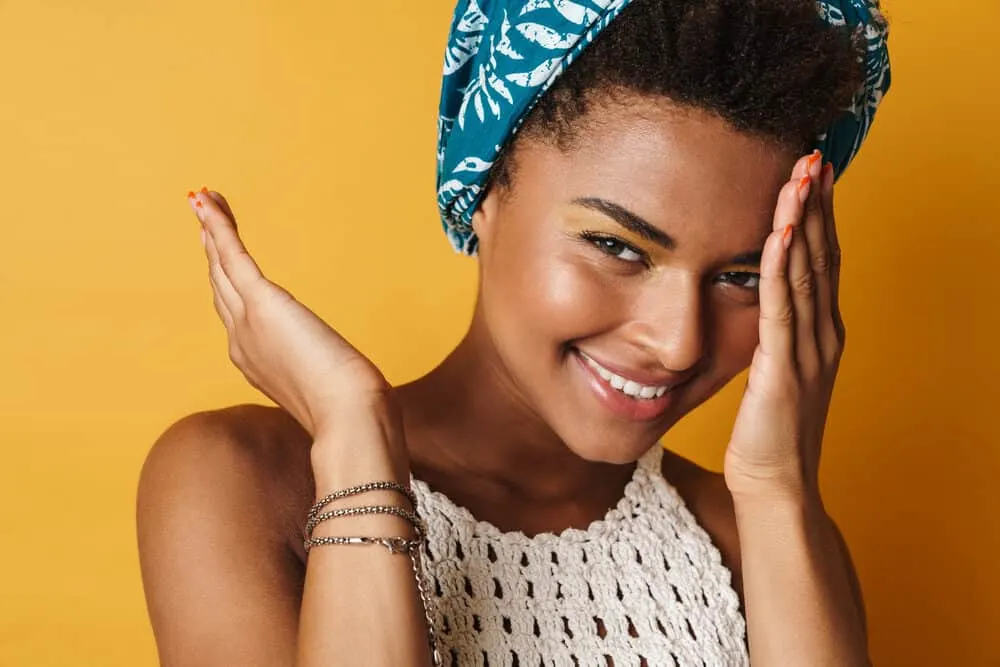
(190, 195)
(204, 191)
(198, 204)
(814, 158)
(828, 177)
(786, 236)
(803, 188)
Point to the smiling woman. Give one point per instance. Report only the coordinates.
(633, 179)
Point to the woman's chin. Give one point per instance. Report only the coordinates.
(610, 445)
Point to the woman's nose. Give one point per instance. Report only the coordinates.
(670, 323)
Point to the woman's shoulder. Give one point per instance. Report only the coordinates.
(220, 506)
(251, 456)
(248, 438)
(708, 498)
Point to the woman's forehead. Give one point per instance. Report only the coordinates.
(665, 163)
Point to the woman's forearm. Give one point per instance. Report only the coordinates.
(361, 604)
(800, 606)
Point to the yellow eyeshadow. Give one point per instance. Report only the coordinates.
(581, 221)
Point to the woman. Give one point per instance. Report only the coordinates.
(636, 182)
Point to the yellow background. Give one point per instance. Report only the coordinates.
(318, 121)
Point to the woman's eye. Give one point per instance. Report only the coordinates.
(744, 279)
(615, 248)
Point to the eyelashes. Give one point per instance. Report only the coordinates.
(734, 278)
(620, 250)
(616, 248)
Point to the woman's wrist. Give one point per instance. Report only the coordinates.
(345, 465)
(790, 518)
(359, 445)
(791, 489)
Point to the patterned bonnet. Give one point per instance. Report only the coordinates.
(502, 55)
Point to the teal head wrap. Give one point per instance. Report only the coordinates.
(502, 55)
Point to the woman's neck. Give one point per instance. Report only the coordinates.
(466, 419)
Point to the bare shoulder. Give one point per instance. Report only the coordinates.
(708, 498)
(243, 450)
(220, 499)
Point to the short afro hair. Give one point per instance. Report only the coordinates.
(770, 68)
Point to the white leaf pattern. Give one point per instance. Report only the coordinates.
(451, 188)
(532, 5)
(575, 12)
(832, 15)
(479, 94)
(504, 47)
(546, 37)
(473, 164)
(497, 84)
(465, 43)
(536, 76)
(460, 52)
(473, 20)
(478, 103)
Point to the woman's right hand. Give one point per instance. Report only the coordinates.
(288, 353)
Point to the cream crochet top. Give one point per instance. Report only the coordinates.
(647, 570)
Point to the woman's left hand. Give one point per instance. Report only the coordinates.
(776, 442)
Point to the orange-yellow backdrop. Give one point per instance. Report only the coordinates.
(317, 120)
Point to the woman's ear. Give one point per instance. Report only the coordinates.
(484, 219)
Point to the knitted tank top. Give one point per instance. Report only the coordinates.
(647, 570)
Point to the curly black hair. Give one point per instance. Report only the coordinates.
(770, 68)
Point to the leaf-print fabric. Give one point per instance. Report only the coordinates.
(502, 55)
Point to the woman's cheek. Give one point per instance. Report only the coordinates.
(577, 297)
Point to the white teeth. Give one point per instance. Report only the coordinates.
(629, 387)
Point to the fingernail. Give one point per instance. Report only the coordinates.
(190, 195)
(786, 236)
(198, 204)
(204, 190)
(813, 166)
(803, 188)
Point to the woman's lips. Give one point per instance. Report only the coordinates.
(618, 403)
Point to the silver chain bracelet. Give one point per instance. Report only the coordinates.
(362, 488)
(413, 519)
(395, 545)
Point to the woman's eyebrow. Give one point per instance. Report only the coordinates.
(748, 259)
(645, 230)
(628, 220)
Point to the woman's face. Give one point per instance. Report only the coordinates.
(631, 258)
